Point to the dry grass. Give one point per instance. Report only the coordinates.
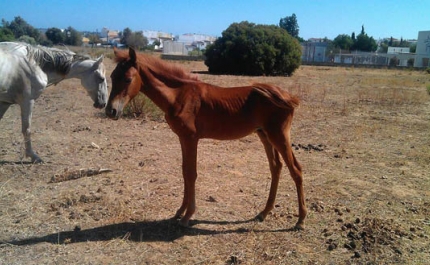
(142, 107)
(362, 136)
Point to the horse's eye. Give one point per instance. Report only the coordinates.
(128, 80)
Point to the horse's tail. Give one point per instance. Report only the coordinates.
(279, 97)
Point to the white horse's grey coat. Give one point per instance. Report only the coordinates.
(26, 70)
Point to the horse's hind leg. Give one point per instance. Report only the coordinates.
(26, 113)
(281, 141)
(275, 170)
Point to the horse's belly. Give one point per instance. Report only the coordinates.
(227, 130)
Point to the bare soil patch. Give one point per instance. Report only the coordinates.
(361, 135)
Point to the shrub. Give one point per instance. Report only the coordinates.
(250, 49)
(428, 70)
(394, 61)
(142, 106)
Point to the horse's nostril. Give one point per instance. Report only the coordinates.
(99, 105)
(111, 112)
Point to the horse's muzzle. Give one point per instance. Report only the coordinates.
(99, 105)
(111, 113)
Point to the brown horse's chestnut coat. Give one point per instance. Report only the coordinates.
(196, 110)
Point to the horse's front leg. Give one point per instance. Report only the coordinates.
(189, 173)
(181, 210)
(26, 113)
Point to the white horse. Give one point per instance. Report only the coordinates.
(26, 70)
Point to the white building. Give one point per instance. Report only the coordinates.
(397, 50)
(401, 55)
(159, 36)
(109, 33)
(109, 36)
(200, 41)
(174, 48)
(314, 51)
(186, 43)
(422, 57)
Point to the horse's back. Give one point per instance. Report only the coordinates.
(232, 113)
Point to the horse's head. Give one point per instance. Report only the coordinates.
(126, 82)
(94, 81)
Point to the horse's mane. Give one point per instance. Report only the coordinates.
(53, 59)
(157, 65)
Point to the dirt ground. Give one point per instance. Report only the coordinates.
(361, 135)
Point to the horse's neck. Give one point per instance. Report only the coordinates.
(54, 78)
(157, 88)
(77, 70)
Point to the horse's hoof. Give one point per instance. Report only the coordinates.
(299, 227)
(176, 217)
(36, 160)
(260, 217)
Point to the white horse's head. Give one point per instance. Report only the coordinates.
(93, 79)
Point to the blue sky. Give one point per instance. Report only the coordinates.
(316, 18)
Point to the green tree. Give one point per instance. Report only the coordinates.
(73, 37)
(125, 35)
(137, 40)
(363, 42)
(94, 39)
(290, 24)
(343, 41)
(383, 48)
(247, 48)
(152, 46)
(6, 34)
(156, 43)
(19, 27)
(44, 41)
(390, 43)
(401, 43)
(27, 39)
(413, 47)
(55, 35)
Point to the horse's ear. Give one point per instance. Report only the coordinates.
(96, 65)
(132, 54)
(100, 59)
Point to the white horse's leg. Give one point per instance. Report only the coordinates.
(26, 112)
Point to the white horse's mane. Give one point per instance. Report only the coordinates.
(52, 59)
